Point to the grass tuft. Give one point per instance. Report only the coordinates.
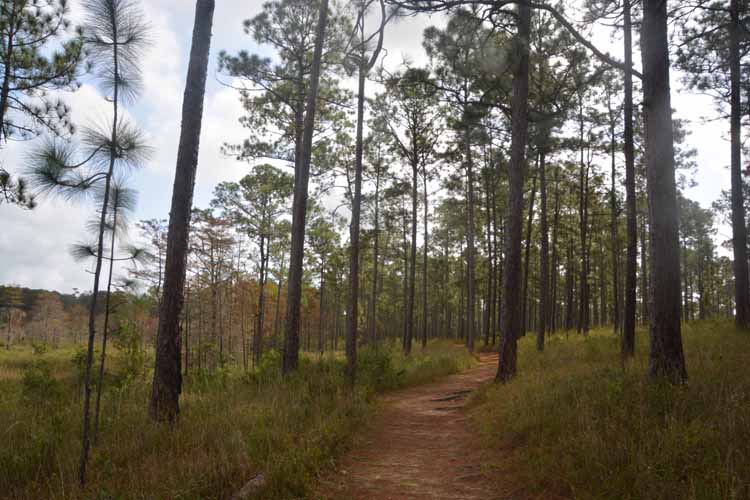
(233, 425)
(576, 424)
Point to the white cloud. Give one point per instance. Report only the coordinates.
(34, 244)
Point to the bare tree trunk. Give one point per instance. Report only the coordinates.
(299, 207)
(543, 255)
(424, 260)
(645, 288)
(260, 313)
(105, 329)
(527, 254)
(167, 381)
(627, 346)
(614, 226)
(511, 319)
(739, 230)
(470, 250)
(375, 257)
(555, 231)
(666, 357)
(413, 260)
(321, 312)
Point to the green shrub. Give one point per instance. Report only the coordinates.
(39, 387)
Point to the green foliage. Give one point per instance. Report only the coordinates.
(39, 348)
(580, 426)
(129, 343)
(39, 387)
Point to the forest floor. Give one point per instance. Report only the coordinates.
(420, 445)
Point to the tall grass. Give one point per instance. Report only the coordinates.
(234, 425)
(575, 424)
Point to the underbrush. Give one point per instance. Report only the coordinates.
(575, 424)
(234, 425)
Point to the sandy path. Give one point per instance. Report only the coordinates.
(420, 446)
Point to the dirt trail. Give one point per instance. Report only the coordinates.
(420, 446)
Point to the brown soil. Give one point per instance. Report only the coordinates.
(420, 446)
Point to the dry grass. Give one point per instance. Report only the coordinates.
(576, 425)
(233, 426)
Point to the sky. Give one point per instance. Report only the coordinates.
(34, 245)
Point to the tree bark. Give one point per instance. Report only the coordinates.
(413, 260)
(614, 233)
(527, 255)
(511, 318)
(666, 356)
(739, 230)
(555, 232)
(375, 257)
(261, 313)
(627, 346)
(470, 250)
(543, 255)
(299, 206)
(167, 382)
(424, 260)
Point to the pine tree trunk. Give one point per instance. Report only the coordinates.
(511, 317)
(412, 260)
(352, 317)
(614, 233)
(470, 250)
(527, 254)
(299, 206)
(260, 315)
(86, 444)
(739, 230)
(375, 257)
(666, 356)
(105, 328)
(627, 346)
(167, 381)
(555, 259)
(424, 260)
(543, 256)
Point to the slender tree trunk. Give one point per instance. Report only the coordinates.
(105, 329)
(353, 306)
(645, 288)
(424, 261)
(375, 257)
(583, 203)
(299, 207)
(277, 318)
(495, 262)
(614, 233)
(8, 63)
(739, 230)
(555, 229)
(569, 288)
(511, 319)
(470, 250)
(527, 254)
(86, 444)
(321, 312)
(167, 381)
(490, 270)
(260, 316)
(543, 255)
(666, 356)
(627, 346)
(413, 260)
